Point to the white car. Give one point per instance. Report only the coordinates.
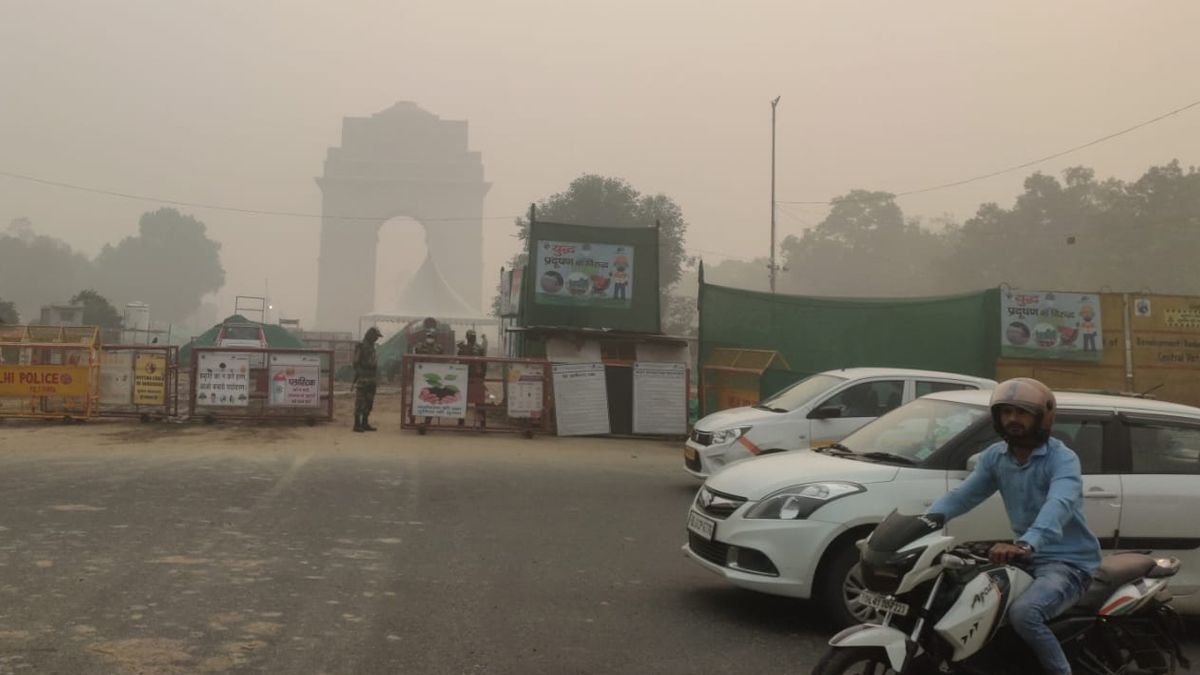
(815, 411)
(787, 524)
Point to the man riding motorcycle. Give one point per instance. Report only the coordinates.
(1040, 481)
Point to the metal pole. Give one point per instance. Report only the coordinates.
(774, 267)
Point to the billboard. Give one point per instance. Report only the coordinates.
(1050, 325)
(591, 277)
(582, 274)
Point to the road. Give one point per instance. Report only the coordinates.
(157, 549)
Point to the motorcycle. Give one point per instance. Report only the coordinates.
(943, 609)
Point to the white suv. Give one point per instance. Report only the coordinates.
(815, 411)
(786, 524)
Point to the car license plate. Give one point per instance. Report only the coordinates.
(689, 452)
(882, 603)
(702, 526)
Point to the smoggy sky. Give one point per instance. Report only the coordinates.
(236, 102)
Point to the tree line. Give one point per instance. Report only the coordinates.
(1070, 233)
(171, 264)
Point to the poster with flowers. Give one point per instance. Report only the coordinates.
(439, 390)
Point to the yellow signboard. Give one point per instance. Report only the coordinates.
(19, 380)
(150, 379)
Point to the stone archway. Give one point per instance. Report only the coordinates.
(403, 161)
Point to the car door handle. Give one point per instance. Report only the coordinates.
(1098, 493)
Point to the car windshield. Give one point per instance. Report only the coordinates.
(912, 433)
(787, 400)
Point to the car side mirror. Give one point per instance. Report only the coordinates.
(972, 461)
(828, 412)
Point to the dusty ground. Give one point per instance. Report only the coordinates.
(159, 549)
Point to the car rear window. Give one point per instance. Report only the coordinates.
(1165, 448)
(926, 387)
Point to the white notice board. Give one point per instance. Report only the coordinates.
(581, 399)
(660, 398)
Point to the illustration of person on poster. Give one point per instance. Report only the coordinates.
(1087, 326)
(620, 277)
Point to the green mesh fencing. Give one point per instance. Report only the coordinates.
(957, 333)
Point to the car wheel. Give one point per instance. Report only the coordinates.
(841, 584)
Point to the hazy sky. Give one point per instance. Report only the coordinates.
(236, 102)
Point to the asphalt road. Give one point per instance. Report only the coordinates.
(163, 549)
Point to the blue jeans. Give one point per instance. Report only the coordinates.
(1056, 587)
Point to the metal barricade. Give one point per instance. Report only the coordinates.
(476, 393)
(139, 381)
(48, 379)
(254, 383)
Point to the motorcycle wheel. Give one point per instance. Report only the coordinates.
(854, 661)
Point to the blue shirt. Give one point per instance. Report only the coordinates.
(1043, 498)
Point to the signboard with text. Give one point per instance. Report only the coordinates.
(591, 277)
(29, 380)
(1050, 325)
(223, 379)
(295, 380)
(150, 379)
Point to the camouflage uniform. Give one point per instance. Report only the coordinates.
(427, 348)
(366, 368)
(429, 345)
(476, 374)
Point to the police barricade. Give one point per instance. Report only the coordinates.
(476, 393)
(48, 372)
(139, 381)
(257, 383)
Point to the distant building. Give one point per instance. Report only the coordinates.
(62, 315)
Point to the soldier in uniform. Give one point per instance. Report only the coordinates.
(476, 373)
(366, 367)
(428, 345)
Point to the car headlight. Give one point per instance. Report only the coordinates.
(800, 501)
(728, 435)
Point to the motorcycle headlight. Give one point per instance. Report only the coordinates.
(728, 435)
(800, 501)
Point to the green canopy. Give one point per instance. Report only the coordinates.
(277, 336)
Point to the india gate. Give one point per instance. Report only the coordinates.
(403, 161)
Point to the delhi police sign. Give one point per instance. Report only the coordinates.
(43, 380)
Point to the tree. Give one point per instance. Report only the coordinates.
(37, 270)
(171, 264)
(864, 247)
(612, 202)
(96, 310)
(680, 315)
(8, 313)
(1081, 233)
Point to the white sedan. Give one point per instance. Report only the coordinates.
(786, 524)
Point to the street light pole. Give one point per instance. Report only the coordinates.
(774, 267)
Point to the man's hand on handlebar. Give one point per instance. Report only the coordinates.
(1004, 553)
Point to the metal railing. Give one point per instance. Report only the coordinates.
(476, 393)
(261, 383)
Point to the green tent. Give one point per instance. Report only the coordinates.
(277, 336)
